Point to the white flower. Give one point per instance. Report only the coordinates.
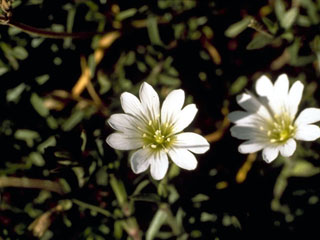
(270, 122)
(154, 133)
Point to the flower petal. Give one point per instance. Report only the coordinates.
(248, 102)
(140, 160)
(185, 117)
(123, 141)
(288, 148)
(270, 153)
(307, 132)
(191, 141)
(123, 122)
(294, 97)
(183, 158)
(131, 104)
(172, 105)
(250, 147)
(149, 100)
(246, 133)
(159, 165)
(245, 119)
(264, 86)
(278, 101)
(281, 86)
(307, 116)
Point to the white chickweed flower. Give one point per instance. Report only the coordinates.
(269, 122)
(156, 133)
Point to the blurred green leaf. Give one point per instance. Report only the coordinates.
(304, 169)
(27, 135)
(153, 31)
(75, 118)
(20, 53)
(37, 159)
(260, 40)
(13, 95)
(238, 85)
(38, 105)
(157, 221)
(126, 14)
(200, 198)
(280, 9)
(238, 27)
(289, 17)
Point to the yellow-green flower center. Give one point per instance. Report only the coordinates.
(281, 128)
(157, 136)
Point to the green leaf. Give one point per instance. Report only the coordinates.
(289, 18)
(38, 105)
(153, 31)
(238, 85)
(238, 27)
(27, 135)
(156, 223)
(37, 159)
(126, 14)
(259, 41)
(272, 27)
(73, 120)
(280, 9)
(20, 53)
(304, 169)
(50, 142)
(200, 198)
(146, 197)
(13, 95)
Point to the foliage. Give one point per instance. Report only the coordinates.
(63, 66)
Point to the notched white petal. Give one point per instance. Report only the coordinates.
(159, 165)
(191, 141)
(140, 160)
(185, 117)
(270, 153)
(264, 86)
(281, 86)
(123, 141)
(122, 122)
(172, 105)
(183, 158)
(307, 132)
(288, 148)
(248, 102)
(244, 133)
(250, 147)
(307, 116)
(149, 100)
(294, 97)
(131, 104)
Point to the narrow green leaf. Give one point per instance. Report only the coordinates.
(238, 85)
(27, 135)
(156, 223)
(153, 31)
(238, 27)
(126, 14)
(304, 169)
(38, 105)
(73, 120)
(280, 9)
(20, 52)
(13, 95)
(259, 41)
(289, 18)
(37, 159)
